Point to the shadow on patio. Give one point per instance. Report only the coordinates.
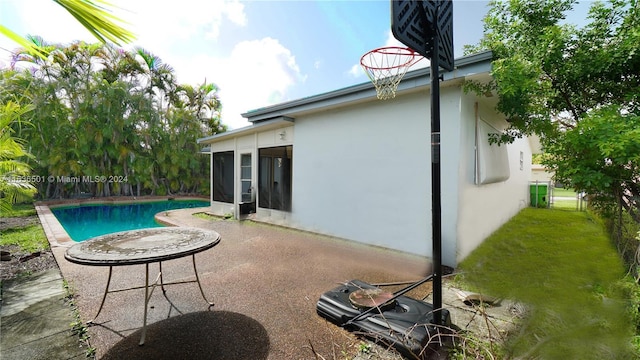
(216, 335)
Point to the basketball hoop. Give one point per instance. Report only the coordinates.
(386, 67)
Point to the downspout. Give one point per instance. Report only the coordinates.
(476, 168)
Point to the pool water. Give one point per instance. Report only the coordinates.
(87, 221)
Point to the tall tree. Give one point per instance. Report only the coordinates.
(99, 21)
(105, 111)
(550, 76)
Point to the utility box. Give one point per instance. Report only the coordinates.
(539, 194)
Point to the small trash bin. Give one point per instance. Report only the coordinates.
(538, 195)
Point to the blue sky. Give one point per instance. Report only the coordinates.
(259, 53)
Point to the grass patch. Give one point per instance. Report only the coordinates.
(78, 327)
(564, 267)
(562, 192)
(205, 216)
(30, 238)
(20, 210)
(565, 204)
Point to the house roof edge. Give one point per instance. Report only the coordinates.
(365, 89)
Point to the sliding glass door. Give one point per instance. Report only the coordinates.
(275, 178)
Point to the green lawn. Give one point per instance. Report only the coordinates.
(566, 204)
(30, 238)
(561, 192)
(20, 210)
(562, 264)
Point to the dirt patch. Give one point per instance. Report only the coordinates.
(22, 263)
(16, 262)
(17, 222)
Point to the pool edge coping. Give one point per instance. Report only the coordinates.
(58, 236)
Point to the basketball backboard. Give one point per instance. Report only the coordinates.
(412, 23)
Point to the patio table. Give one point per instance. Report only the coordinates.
(144, 246)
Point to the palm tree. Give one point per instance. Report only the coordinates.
(103, 25)
(96, 18)
(14, 182)
(102, 110)
(204, 102)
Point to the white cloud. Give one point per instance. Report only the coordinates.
(256, 73)
(356, 70)
(235, 12)
(160, 25)
(392, 41)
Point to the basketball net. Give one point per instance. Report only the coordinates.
(386, 67)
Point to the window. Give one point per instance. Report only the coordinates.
(223, 177)
(492, 161)
(245, 177)
(274, 184)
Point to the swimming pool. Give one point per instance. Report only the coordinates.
(87, 221)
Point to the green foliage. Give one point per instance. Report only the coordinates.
(78, 327)
(601, 156)
(562, 192)
(13, 167)
(629, 289)
(548, 75)
(94, 15)
(577, 88)
(102, 111)
(364, 347)
(536, 158)
(625, 232)
(19, 210)
(563, 266)
(30, 238)
(468, 346)
(100, 22)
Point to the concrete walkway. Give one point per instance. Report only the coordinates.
(36, 320)
(265, 281)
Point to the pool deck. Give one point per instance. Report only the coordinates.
(265, 281)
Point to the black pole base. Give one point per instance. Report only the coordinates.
(406, 325)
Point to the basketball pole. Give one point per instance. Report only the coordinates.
(436, 186)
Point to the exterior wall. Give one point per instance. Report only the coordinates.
(362, 173)
(482, 209)
(452, 120)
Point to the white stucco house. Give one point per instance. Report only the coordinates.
(346, 164)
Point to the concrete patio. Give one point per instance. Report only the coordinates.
(265, 282)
